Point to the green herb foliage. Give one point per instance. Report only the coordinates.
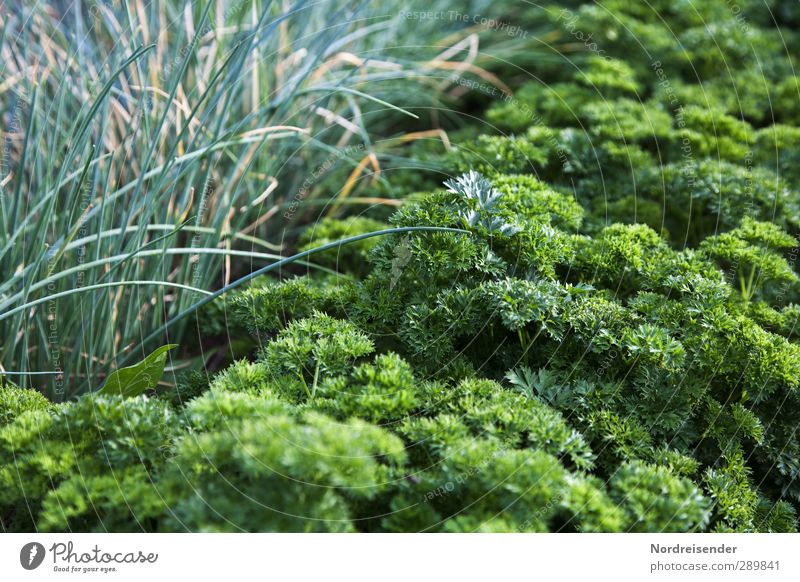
(610, 346)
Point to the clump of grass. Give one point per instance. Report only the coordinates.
(154, 152)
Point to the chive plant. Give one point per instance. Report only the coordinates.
(153, 152)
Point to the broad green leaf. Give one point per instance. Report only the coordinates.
(136, 379)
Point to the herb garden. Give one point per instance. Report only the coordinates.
(366, 267)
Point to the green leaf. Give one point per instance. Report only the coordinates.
(139, 378)
(523, 379)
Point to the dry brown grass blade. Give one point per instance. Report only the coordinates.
(352, 179)
(475, 70)
(260, 220)
(415, 135)
(270, 129)
(330, 117)
(273, 184)
(377, 201)
(354, 60)
(470, 43)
